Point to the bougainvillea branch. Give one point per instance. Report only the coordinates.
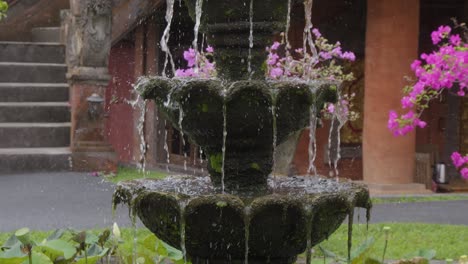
(444, 69)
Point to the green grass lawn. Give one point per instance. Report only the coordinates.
(125, 174)
(449, 241)
(416, 199)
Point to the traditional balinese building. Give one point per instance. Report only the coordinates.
(386, 35)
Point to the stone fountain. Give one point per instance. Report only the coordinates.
(239, 214)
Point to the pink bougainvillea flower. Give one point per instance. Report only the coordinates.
(331, 108)
(276, 73)
(275, 45)
(210, 49)
(464, 173)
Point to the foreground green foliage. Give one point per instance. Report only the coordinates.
(406, 240)
(125, 174)
(3, 9)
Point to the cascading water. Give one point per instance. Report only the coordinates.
(275, 133)
(182, 136)
(198, 13)
(166, 35)
(223, 171)
(312, 140)
(251, 39)
(246, 233)
(307, 37)
(166, 147)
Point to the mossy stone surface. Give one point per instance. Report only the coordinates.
(277, 227)
(215, 227)
(161, 214)
(249, 142)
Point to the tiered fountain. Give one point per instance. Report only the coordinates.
(239, 214)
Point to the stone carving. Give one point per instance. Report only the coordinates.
(88, 34)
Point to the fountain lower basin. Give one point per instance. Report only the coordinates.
(292, 215)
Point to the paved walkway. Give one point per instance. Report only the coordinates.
(57, 200)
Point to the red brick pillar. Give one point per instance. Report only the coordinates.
(391, 46)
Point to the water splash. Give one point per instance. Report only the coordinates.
(182, 136)
(246, 233)
(275, 134)
(140, 103)
(251, 40)
(309, 219)
(166, 147)
(166, 35)
(182, 205)
(308, 41)
(201, 159)
(330, 143)
(312, 140)
(196, 29)
(224, 141)
(141, 133)
(288, 26)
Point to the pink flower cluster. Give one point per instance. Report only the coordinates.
(198, 64)
(320, 66)
(461, 163)
(445, 68)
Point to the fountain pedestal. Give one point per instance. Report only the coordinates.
(239, 214)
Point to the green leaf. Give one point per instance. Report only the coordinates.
(172, 253)
(66, 249)
(90, 260)
(14, 251)
(91, 238)
(12, 240)
(328, 254)
(58, 233)
(372, 261)
(104, 237)
(14, 255)
(428, 254)
(38, 258)
(360, 254)
(363, 248)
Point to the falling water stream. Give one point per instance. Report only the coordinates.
(182, 205)
(312, 140)
(166, 147)
(223, 149)
(196, 29)
(246, 233)
(166, 35)
(275, 134)
(251, 39)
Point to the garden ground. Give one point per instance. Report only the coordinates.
(46, 201)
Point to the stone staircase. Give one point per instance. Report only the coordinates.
(34, 109)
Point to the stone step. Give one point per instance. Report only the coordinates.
(28, 72)
(32, 52)
(49, 112)
(34, 135)
(33, 92)
(19, 160)
(46, 34)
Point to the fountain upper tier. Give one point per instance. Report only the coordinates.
(230, 25)
(206, 109)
